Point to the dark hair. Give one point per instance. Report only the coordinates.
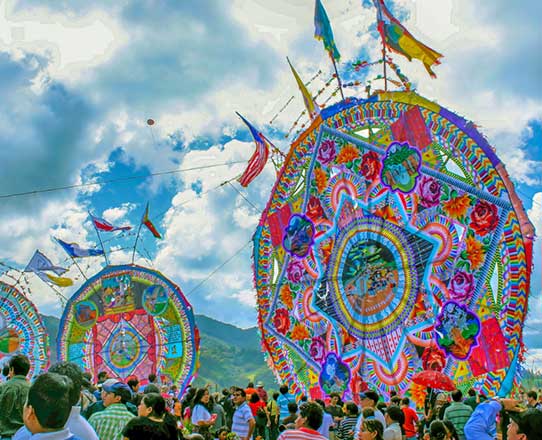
(405, 401)
(250, 385)
(368, 412)
(352, 408)
(198, 396)
(471, 392)
(373, 425)
(373, 395)
(275, 395)
(382, 407)
(532, 394)
(156, 402)
(395, 400)
(102, 374)
(151, 377)
(321, 403)
(20, 364)
(292, 407)
(125, 395)
(240, 391)
(254, 398)
(283, 389)
(313, 413)
(73, 371)
(5, 370)
(221, 430)
(395, 413)
(133, 382)
(437, 430)
(49, 397)
(451, 429)
(457, 395)
(151, 388)
(393, 393)
(303, 398)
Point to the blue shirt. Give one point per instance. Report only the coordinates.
(283, 400)
(241, 420)
(482, 424)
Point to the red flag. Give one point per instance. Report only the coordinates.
(150, 226)
(104, 225)
(258, 159)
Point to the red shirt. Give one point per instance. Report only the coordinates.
(255, 406)
(410, 421)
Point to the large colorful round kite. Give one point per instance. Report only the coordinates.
(130, 320)
(393, 242)
(22, 330)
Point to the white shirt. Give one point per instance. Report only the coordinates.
(378, 416)
(200, 413)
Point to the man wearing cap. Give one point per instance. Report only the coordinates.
(526, 425)
(99, 404)
(369, 399)
(261, 391)
(110, 422)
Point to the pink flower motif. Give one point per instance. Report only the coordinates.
(461, 286)
(326, 152)
(282, 321)
(294, 271)
(429, 191)
(317, 349)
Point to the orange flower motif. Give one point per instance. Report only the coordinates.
(458, 206)
(300, 332)
(321, 179)
(386, 213)
(475, 252)
(286, 296)
(417, 394)
(348, 154)
(326, 249)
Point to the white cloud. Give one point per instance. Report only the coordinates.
(533, 360)
(118, 213)
(535, 213)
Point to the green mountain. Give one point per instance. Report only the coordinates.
(228, 355)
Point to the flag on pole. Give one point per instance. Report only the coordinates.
(39, 262)
(310, 105)
(104, 225)
(76, 251)
(323, 31)
(259, 158)
(59, 281)
(397, 38)
(150, 226)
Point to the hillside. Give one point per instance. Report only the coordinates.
(228, 355)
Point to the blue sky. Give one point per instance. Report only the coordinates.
(78, 81)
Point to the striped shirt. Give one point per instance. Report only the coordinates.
(110, 422)
(301, 434)
(241, 420)
(345, 430)
(283, 400)
(458, 413)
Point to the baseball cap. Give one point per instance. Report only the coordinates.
(259, 384)
(107, 382)
(115, 387)
(529, 423)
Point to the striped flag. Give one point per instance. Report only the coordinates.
(397, 38)
(323, 31)
(76, 251)
(310, 105)
(259, 158)
(104, 225)
(149, 224)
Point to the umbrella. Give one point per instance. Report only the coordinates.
(434, 379)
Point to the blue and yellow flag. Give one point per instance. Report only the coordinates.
(323, 31)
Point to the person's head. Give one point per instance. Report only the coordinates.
(152, 378)
(321, 403)
(250, 385)
(452, 432)
(201, 397)
(471, 392)
(152, 405)
(283, 389)
(442, 398)
(275, 396)
(532, 397)
(254, 398)
(405, 401)
(438, 430)
(222, 433)
(292, 408)
(393, 393)
(526, 425)
(394, 414)
(351, 409)
(133, 383)
(5, 370)
(395, 400)
(102, 376)
(368, 413)
(47, 406)
(116, 392)
(310, 416)
(368, 399)
(457, 396)
(259, 384)
(239, 396)
(335, 399)
(152, 388)
(71, 370)
(371, 429)
(19, 365)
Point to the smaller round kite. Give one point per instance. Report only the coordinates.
(21, 330)
(129, 320)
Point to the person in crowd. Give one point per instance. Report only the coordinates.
(335, 408)
(13, 395)
(371, 429)
(525, 425)
(394, 419)
(472, 399)
(411, 419)
(102, 377)
(48, 406)
(395, 400)
(133, 383)
(76, 423)
(458, 413)
(151, 423)
(260, 414)
(438, 431)
(369, 399)
(347, 425)
(482, 423)
(243, 422)
(152, 379)
(228, 405)
(307, 423)
(261, 391)
(532, 400)
(186, 403)
(201, 418)
(328, 424)
(283, 400)
(222, 433)
(274, 414)
(250, 390)
(5, 373)
(110, 422)
(289, 421)
(452, 432)
(87, 391)
(100, 406)
(217, 412)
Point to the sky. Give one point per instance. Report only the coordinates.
(79, 80)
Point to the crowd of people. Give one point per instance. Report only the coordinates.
(63, 404)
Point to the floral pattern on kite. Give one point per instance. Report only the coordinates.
(401, 167)
(298, 236)
(457, 329)
(335, 375)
